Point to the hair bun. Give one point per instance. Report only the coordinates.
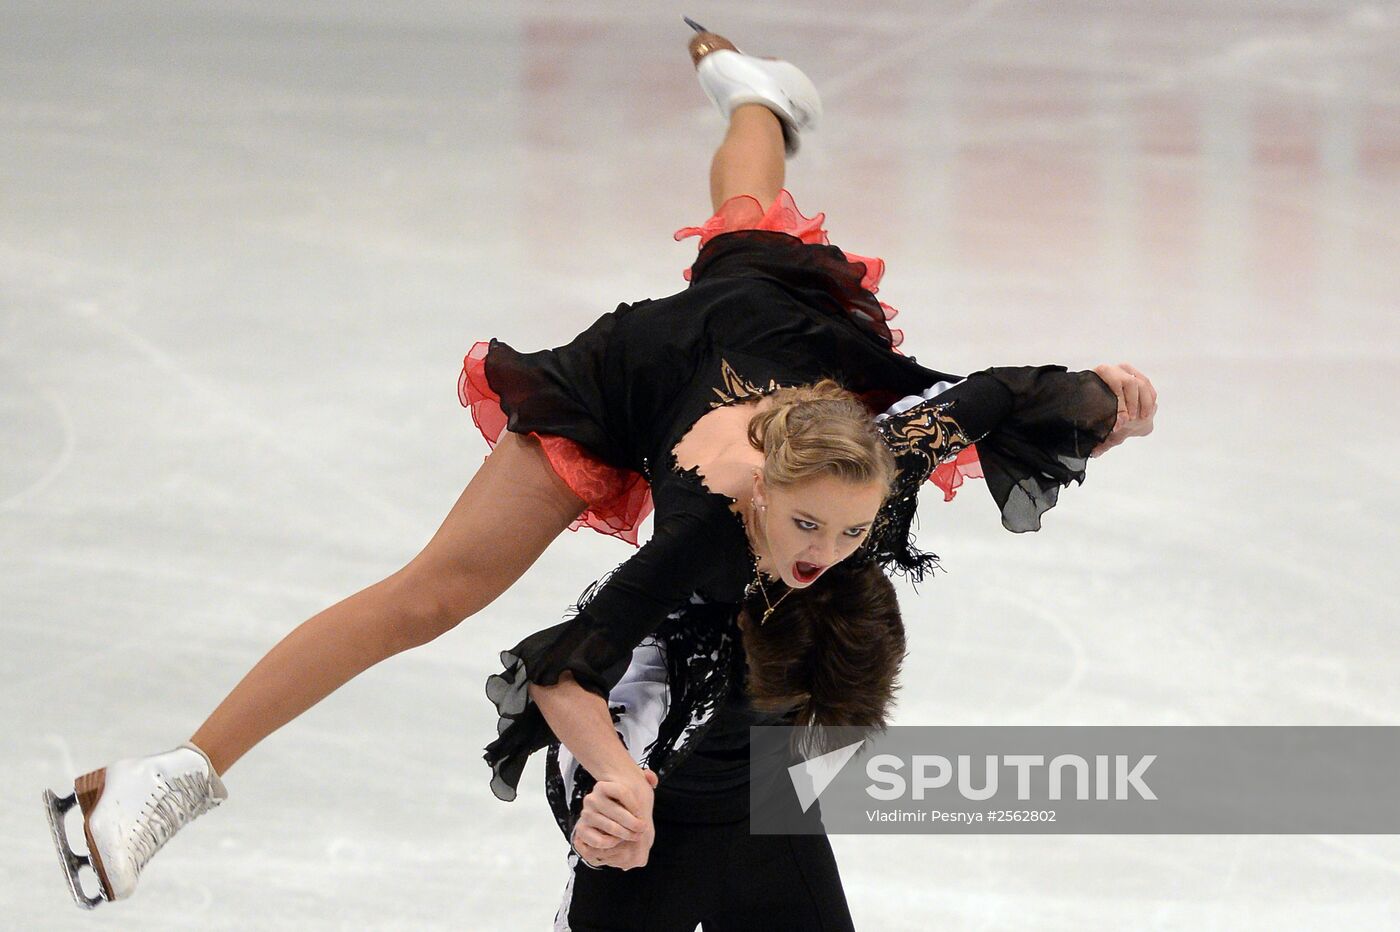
(819, 429)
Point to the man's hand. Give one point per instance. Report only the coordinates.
(615, 827)
(1137, 404)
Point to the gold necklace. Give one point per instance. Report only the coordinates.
(758, 574)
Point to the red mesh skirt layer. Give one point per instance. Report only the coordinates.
(618, 499)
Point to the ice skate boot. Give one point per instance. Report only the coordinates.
(730, 78)
(130, 809)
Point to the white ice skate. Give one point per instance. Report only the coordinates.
(731, 78)
(130, 809)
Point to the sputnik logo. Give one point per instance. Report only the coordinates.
(813, 776)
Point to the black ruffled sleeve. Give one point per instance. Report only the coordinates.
(1034, 427)
(690, 550)
(1056, 419)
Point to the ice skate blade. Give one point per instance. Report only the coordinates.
(704, 42)
(70, 862)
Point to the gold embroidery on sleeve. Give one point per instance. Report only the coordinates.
(931, 432)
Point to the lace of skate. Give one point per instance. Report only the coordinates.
(175, 804)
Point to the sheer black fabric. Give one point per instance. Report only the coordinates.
(1056, 419)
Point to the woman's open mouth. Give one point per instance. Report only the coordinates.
(806, 572)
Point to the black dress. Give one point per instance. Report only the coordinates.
(763, 310)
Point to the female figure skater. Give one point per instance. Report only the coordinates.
(596, 430)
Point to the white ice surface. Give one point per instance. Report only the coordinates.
(244, 245)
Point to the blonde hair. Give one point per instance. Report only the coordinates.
(819, 430)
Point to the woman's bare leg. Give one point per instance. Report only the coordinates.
(510, 511)
(751, 158)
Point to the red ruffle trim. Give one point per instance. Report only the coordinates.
(950, 474)
(746, 212)
(618, 499)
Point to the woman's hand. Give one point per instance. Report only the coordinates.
(615, 827)
(1137, 404)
